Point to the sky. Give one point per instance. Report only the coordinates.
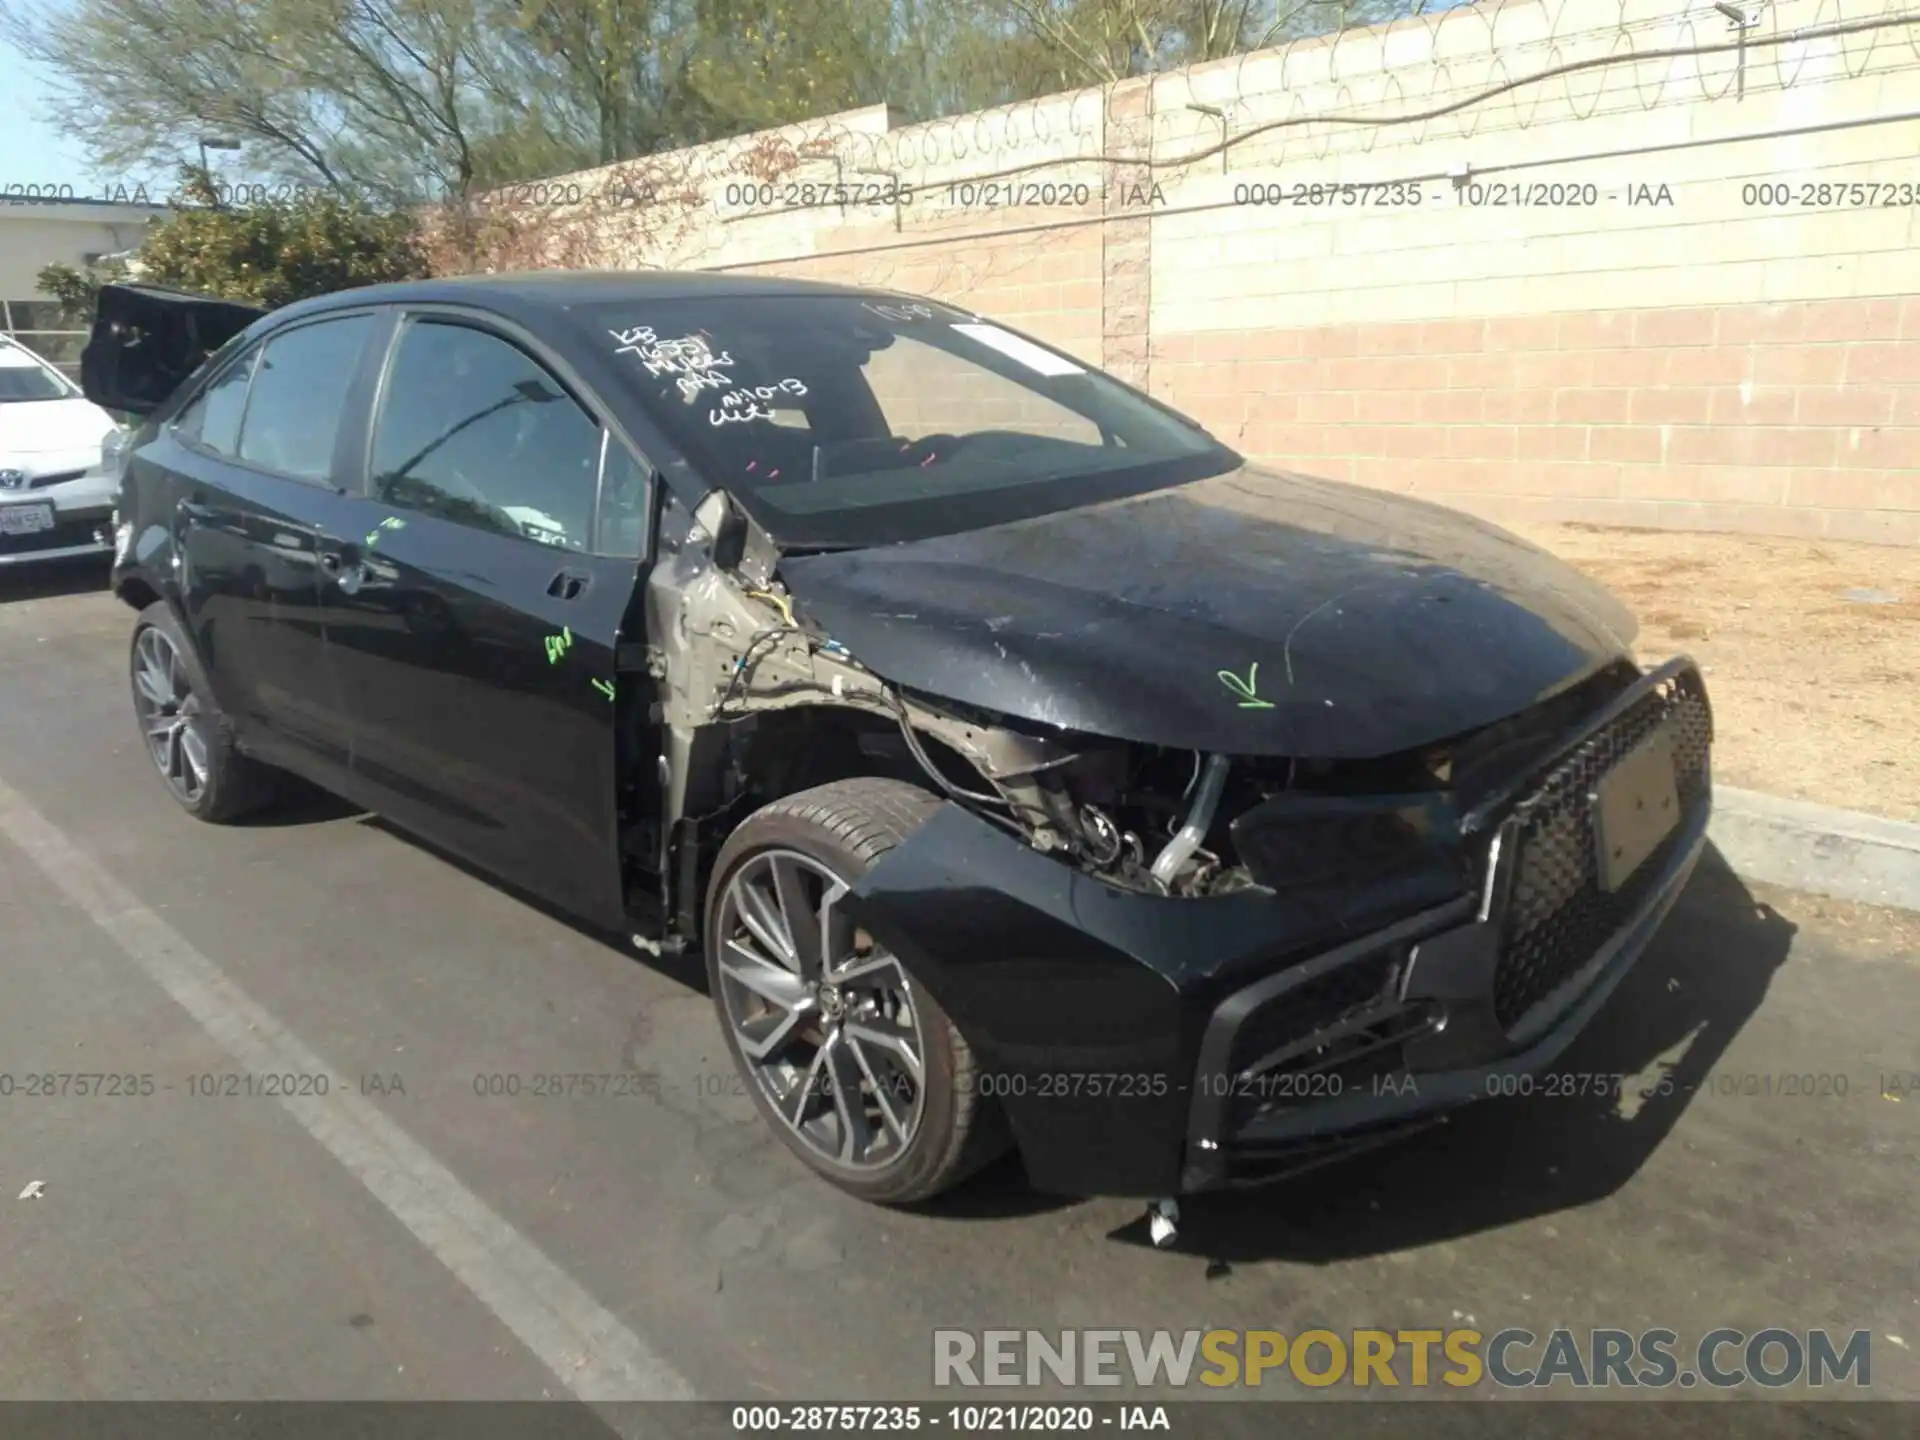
(32, 150)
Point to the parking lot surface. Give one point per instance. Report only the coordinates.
(444, 1222)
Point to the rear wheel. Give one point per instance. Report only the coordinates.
(848, 1057)
(187, 737)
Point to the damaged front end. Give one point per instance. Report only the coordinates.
(757, 701)
(1186, 968)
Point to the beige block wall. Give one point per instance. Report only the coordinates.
(1652, 341)
(1796, 418)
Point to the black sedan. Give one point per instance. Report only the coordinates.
(1030, 769)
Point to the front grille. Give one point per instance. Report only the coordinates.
(1317, 1040)
(1361, 1050)
(41, 482)
(1310, 1008)
(1557, 916)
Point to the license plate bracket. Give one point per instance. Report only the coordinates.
(26, 519)
(1636, 805)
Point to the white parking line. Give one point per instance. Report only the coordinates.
(590, 1351)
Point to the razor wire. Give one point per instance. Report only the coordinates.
(1472, 71)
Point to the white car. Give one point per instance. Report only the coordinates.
(59, 472)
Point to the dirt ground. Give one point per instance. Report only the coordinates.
(1816, 695)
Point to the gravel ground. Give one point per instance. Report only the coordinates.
(1811, 648)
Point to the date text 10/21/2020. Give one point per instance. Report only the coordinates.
(1552, 1085)
(617, 191)
(1782, 193)
(779, 196)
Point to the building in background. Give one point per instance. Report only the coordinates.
(35, 233)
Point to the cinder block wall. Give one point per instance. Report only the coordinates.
(1680, 350)
(1706, 315)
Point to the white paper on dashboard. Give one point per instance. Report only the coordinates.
(1040, 361)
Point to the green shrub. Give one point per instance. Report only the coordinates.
(275, 252)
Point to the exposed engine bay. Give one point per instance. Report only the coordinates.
(759, 703)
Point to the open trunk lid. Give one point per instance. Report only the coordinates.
(146, 340)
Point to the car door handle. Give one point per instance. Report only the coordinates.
(345, 571)
(568, 584)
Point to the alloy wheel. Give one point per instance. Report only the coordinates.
(823, 1016)
(170, 714)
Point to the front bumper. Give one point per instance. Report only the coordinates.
(82, 513)
(1142, 1045)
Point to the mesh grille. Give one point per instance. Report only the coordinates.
(1305, 1010)
(1349, 1064)
(1558, 916)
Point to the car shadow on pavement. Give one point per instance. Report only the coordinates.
(1498, 1162)
(298, 802)
(1577, 1138)
(1000, 1191)
(61, 577)
(688, 969)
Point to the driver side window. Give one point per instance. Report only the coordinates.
(473, 430)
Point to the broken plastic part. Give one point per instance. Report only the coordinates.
(1163, 1223)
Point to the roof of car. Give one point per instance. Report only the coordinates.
(548, 290)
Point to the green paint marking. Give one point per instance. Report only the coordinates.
(1248, 689)
(392, 522)
(558, 645)
(604, 688)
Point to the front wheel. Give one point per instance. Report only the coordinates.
(848, 1057)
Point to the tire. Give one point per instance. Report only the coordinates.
(232, 785)
(836, 833)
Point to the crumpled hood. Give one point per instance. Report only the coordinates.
(1253, 613)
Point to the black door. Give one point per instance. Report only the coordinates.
(471, 621)
(147, 341)
(254, 460)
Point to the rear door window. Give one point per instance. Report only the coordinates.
(298, 395)
(473, 430)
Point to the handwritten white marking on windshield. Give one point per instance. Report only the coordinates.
(688, 358)
(737, 407)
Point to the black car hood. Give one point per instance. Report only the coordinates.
(1253, 613)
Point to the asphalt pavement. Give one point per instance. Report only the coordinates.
(408, 1234)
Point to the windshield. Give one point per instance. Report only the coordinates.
(20, 383)
(842, 420)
